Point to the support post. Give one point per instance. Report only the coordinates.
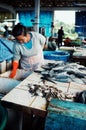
(37, 14)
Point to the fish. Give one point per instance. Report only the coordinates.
(77, 74)
(84, 80)
(65, 80)
(62, 75)
(49, 66)
(48, 79)
(32, 88)
(82, 68)
(63, 72)
(77, 80)
(60, 68)
(45, 72)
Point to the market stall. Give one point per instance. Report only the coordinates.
(34, 94)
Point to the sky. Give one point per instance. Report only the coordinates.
(67, 17)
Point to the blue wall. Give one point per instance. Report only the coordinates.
(45, 20)
(81, 23)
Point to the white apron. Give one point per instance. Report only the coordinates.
(28, 65)
(32, 63)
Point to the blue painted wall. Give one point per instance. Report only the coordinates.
(26, 17)
(81, 23)
(45, 21)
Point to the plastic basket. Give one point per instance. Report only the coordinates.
(57, 55)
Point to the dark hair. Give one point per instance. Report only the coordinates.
(19, 29)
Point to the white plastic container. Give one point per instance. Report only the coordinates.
(8, 64)
(2, 67)
(7, 84)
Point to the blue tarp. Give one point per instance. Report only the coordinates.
(6, 49)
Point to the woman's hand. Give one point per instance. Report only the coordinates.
(12, 74)
(14, 70)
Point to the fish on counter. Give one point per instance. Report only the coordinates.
(48, 92)
(64, 72)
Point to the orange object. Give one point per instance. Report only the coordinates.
(14, 70)
(67, 41)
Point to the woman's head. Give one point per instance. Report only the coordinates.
(19, 29)
(20, 33)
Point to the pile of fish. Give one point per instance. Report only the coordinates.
(48, 92)
(61, 71)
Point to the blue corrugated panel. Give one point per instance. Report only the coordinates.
(65, 115)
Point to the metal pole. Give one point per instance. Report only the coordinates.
(37, 14)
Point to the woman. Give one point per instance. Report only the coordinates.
(28, 50)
